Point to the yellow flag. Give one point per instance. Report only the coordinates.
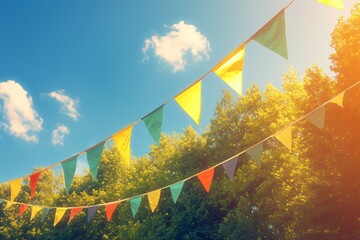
(230, 69)
(154, 197)
(190, 101)
(339, 99)
(59, 215)
(122, 141)
(34, 211)
(15, 187)
(8, 204)
(284, 136)
(339, 4)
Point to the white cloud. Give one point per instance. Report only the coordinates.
(59, 134)
(19, 116)
(174, 46)
(69, 104)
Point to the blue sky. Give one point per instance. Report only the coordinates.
(83, 66)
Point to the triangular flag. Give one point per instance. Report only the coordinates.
(175, 190)
(8, 204)
(255, 153)
(93, 156)
(15, 187)
(91, 212)
(190, 101)
(206, 178)
(273, 35)
(110, 208)
(317, 117)
(338, 99)
(59, 213)
(34, 211)
(230, 167)
(44, 213)
(284, 136)
(135, 204)
(339, 4)
(154, 197)
(153, 122)
(22, 209)
(33, 180)
(122, 140)
(73, 213)
(69, 168)
(230, 69)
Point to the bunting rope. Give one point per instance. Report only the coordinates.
(214, 69)
(204, 176)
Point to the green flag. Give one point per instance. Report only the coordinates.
(44, 213)
(175, 190)
(69, 168)
(273, 35)
(317, 117)
(135, 204)
(256, 152)
(93, 156)
(153, 122)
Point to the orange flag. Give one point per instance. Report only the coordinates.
(230, 69)
(15, 187)
(33, 180)
(73, 213)
(122, 140)
(206, 178)
(110, 208)
(22, 208)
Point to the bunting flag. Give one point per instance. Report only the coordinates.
(230, 69)
(122, 141)
(154, 197)
(33, 181)
(15, 187)
(317, 117)
(206, 178)
(59, 213)
(190, 101)
(230, 166)
(338, 99)
(284, 136)
(93, 156)
(339, 4)
(273, 35)
(44, 213)
(176, 189)
(153, 122)
(110, 208)
(135, 204)
(91, 212)
(34, 211)
(69, 168)
(8, 204)
(256, 152)
(22, 208)
(74, 212)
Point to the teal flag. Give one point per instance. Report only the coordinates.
(273, 35)
(230, 167)
(175, 190)
(91, 212)
(153, 122)
(256, 152)
(93, 156)
(69, 168)
(44, 213)
(135, 204)
(317, 117)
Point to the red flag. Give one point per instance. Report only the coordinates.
(206, 178)
(110, 208)
(73, 213)
(22, 209)
(33, 180)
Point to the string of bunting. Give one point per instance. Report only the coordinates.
(284, 136)
(272, 36)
